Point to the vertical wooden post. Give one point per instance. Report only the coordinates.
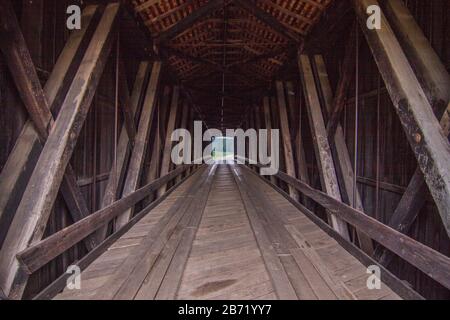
(141, 141)
(32, 214)
(300, 150)
(14, 48)
(118, 169)
(430, 70)
(185, 113)
(347, 76)
(166, 161)
(322, 148)
(155, 160)
(435, 81)
(268, 122)
(23, 157)
(32, 22)
(286, 136)
(342, 156)
(424, 133)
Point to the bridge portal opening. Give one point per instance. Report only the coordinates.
(223, 149)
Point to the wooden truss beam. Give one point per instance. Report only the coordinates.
(119, 167)
(49, 248)
(32, 214)
(270, 20)
(342, 156)
(155, 157)
(24, 156)
(431, 262)
(171, 123)
(125, 101)
(424, 133)
(286, 136)
(347, 76)
(430, 70)
(140, 145)
(190, 20)
(435, 81)
(322, 148)
(268, 123)
(299, 149)
(24, 74)
(184, 124)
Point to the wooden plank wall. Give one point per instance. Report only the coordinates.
(397, 162)
(94, 152)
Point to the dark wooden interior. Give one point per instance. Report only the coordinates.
(86, 118)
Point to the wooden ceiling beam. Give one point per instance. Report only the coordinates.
(190, 20)
(270, 20)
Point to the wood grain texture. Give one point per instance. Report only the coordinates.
(239, 240)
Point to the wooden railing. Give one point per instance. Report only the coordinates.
(431, 262)
(44, 251)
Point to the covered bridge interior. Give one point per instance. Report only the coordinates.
(87, 182)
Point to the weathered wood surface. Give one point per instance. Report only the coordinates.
(347, 75)
(268, 126)
(341, 155)
(171, 123)
(181, 251)
(325, 164)
(23, 158)
(435, 81)
(123, 149)
(286, 135)
(60, 283)
(430, 261)
(32, 214)
(38, 254)
(24, 74)
(431, 147)
(141, 141)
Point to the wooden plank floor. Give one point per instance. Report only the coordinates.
(225, 234)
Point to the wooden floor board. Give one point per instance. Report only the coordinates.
(226, 234)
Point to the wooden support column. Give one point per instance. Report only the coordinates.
(286, 136)
(435, 81)
(300, 151)
(14, 48)
(328, 177)
(185, 113)
(268, 122)
(155, 160)
(118, 170)
(347, 76)
(424, 133)
(342, 156)
(430, 70)
(32, 214)
(23, 157)
(141, 141)
(125, 104)
(166, 161)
